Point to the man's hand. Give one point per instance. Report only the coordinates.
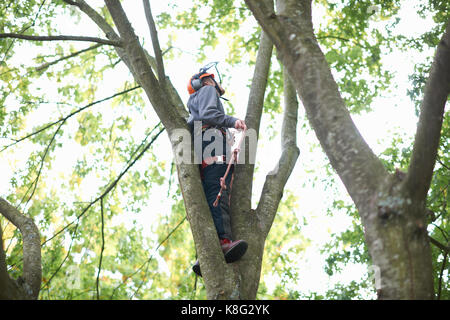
(240, 124)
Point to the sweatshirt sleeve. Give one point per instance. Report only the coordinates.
(209, 111)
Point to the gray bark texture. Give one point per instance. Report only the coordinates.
(26, 287)
(392, 207)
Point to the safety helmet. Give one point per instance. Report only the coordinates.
(195, 82)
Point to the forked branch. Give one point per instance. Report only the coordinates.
(32, 269)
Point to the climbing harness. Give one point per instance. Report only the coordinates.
(233, 160)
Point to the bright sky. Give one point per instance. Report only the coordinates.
(393, 114)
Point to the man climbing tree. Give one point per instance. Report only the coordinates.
(207, 119)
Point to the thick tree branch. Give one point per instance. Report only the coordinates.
(276, 180)
(104, 26)
(125, 56)
(242, 187)
(143, 73)
(111, 34)
(292, 33)
(441, 246)
(155, 42)
(9, 288)
(32, 270)
(169, 89)
(428, 133)
(96, 18)
(58, 38)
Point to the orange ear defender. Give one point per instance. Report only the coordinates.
(195, 83)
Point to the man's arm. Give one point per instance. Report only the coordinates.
(209, 110)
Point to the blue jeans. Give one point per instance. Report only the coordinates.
(211, 186)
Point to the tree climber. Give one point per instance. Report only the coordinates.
(205, 108)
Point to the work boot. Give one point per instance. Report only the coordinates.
(196, 268)
(232, 250)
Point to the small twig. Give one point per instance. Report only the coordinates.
(108, 188)
(60, 37)
(441, 275)
(65, 258)
(68, 116)
(443, 232)
(151, 257)
(342, 39)
(103, 247)
(36, 180)
(48, 64)
(24, 29)
(441, 246)
(441, 163)
(143, 142)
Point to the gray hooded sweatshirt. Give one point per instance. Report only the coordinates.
(204, 105)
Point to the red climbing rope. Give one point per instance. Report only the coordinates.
(232, 161)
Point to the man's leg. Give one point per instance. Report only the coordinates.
(233, 250)
(211, 187)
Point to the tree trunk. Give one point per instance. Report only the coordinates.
(392, 207)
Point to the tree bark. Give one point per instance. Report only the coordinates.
(28, 286)
(392, 211)
(258, 222)
(428, 132)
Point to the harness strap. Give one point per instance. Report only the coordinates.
(210, 160)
